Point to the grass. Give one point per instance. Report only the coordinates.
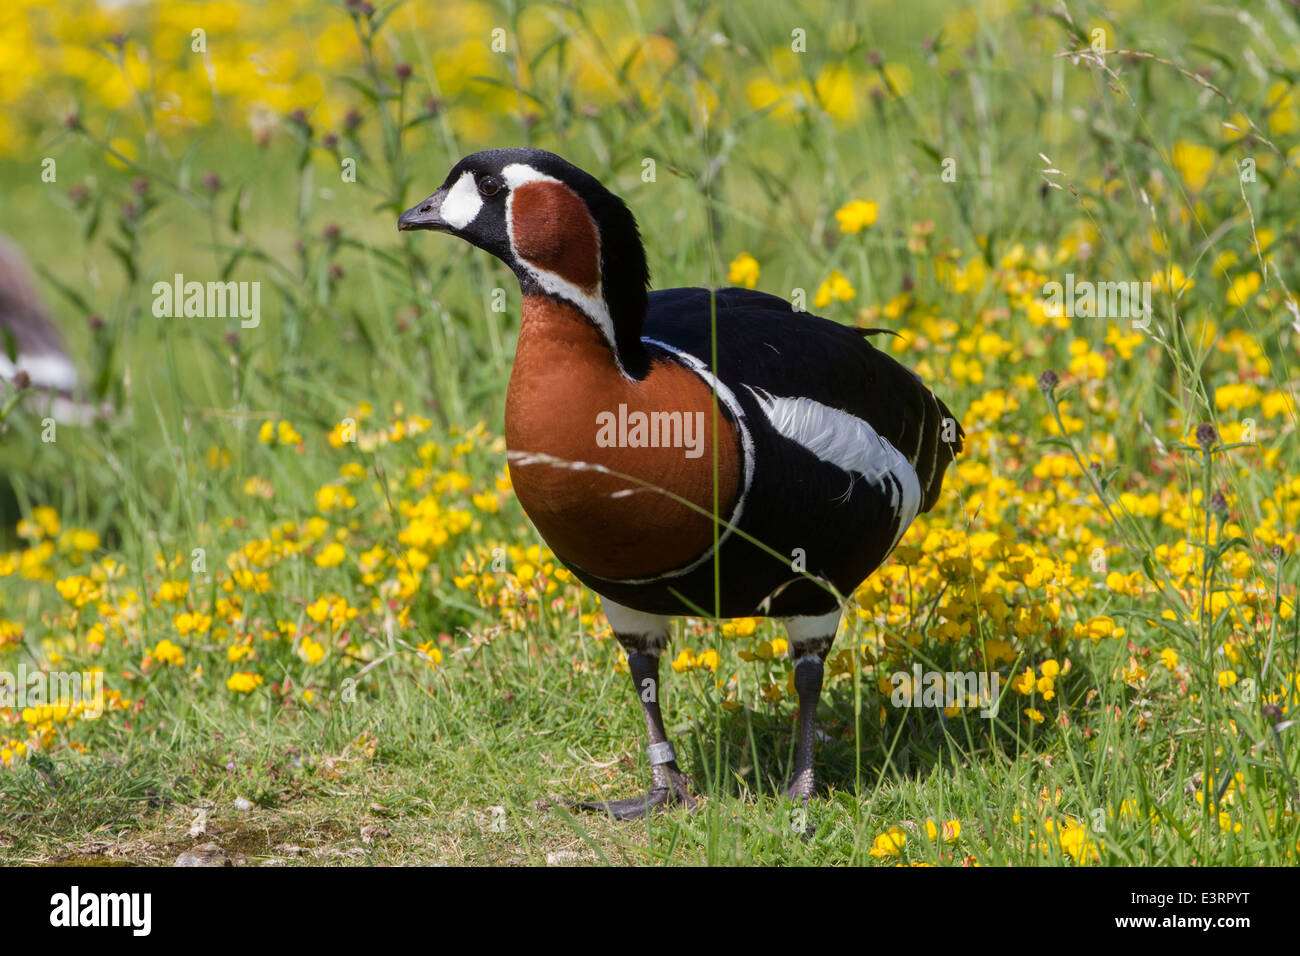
(413, 700)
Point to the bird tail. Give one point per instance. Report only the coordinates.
(943, 441)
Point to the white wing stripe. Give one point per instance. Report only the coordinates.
(849, 443)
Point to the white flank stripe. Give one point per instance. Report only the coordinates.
(728, 400)
(462, 202)
(848, 442)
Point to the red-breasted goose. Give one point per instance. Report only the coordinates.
(818, 454)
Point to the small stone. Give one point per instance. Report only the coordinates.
(567, 857)
(208, 854)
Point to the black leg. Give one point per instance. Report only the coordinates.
(810, 643)
(644, 636)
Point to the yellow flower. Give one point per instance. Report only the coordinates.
(48, 519)
(216, 457)
(1236, 395)
(857, 215)
(1277, 403)
(243, 682)
(834, 90)
(1098, 627)
(341, 434)
(1086, 363)
(1169, 657)
(743, 271)
(836, 287)
(1075, 843)
(285, 432)
(79, 590)
(889, 843)
(1024, 683)
(433, 656)
(331, 555)
(330, 497)
(1134, 673)
(951, 830)
(173, 591)
(997, 650)
(168, 653)
(740, 627)
(311, 651)
(1226, 824)
(1243, 287)
(1283, 115)
(186, 623)
(766, 650)
(1194, 164)
(1173, 281)
(1227, 678)
(256, 486)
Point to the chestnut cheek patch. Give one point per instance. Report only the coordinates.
(553, 232)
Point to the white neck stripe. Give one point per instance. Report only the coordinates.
(592, 306)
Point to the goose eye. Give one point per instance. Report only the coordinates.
(489, 185)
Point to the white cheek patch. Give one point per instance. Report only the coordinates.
(462, 203)
(848, 442)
